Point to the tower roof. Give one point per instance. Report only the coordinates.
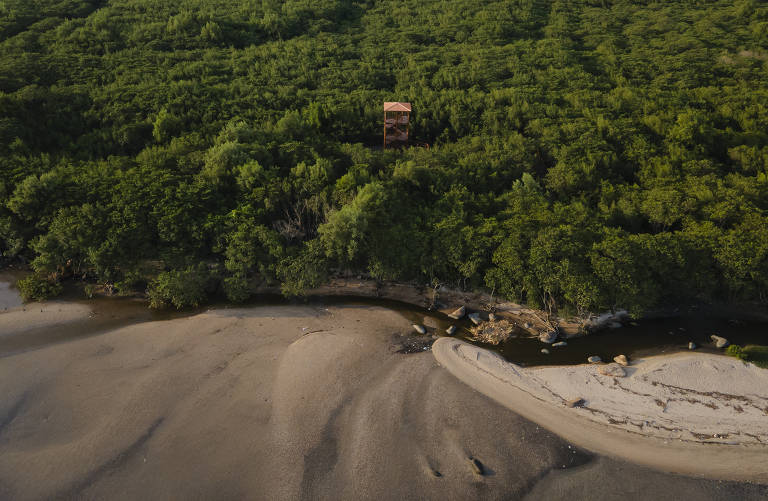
(397, 106)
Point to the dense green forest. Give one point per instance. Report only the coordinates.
(583, 153)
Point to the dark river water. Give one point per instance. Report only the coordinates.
(643, 338)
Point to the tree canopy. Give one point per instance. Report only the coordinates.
(588, 153)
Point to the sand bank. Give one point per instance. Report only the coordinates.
(283, 402)
(690, 413)
(35, 316)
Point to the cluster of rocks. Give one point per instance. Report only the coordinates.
(430, 323)
(614, 369)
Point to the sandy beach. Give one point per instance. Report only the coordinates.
(285, 402)
(692, 413)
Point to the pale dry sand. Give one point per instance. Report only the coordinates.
(283, 402)
(692, 413)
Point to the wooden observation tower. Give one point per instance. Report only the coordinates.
(397, 123)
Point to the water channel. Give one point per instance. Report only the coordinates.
(640, 339)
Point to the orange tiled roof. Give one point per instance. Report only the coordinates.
(397, 106)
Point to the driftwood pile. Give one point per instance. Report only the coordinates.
(494, 332)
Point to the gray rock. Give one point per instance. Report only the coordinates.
(475, 318)
(548, 337)
(621, 360)
(419, 328)
(450, 330)
(575, 402)
(459, 313)
(560, 343)
(614, 370)
(545, 351)
(477, 466)
(719, 341)
(691, 345)
(594, 359)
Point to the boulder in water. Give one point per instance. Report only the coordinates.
(594, 359)
(691, 345)
(450, 330)
(475, 318)
(419, 328)
(492, 317)
(545, 351)
(719, 341)
(560, 343)
(548, 337)
(459, 313)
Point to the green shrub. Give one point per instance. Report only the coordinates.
(180, 288)
(132, 282)
(38, 288)
(237, 288)
(757, 355)
(89, 290)
(752, 353)
(736, 351)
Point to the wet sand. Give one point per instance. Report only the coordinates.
(283, 402)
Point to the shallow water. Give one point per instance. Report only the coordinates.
(9, 295)
(108, 313)
(647, 337)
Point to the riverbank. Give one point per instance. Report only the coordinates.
(282, 402)
(692, 413)
(444, 300)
